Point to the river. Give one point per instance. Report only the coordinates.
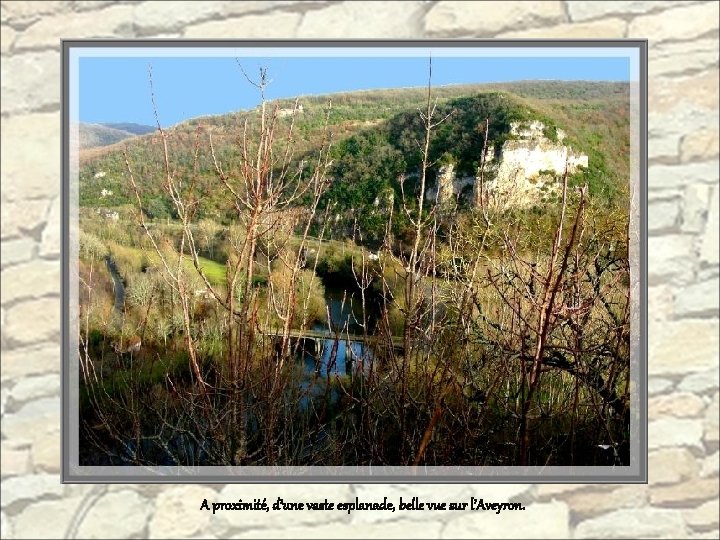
(336, 359)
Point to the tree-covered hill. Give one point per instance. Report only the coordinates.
(374, 141)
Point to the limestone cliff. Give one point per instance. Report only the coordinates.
(524, 170)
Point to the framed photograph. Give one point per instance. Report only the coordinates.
(354, 261)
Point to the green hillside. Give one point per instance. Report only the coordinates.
(374, 136)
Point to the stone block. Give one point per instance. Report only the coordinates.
(700, 144)
(15, 461)
(34, 321)
(683, 347)
(670, 257)
(688, 493)
(22, 216)
(605, 29)
(45, 518)
(538, 520)
(698, 299)
(48, 31)
(663, 215)
(675, 57)
(177, 511)
(680, 176)
(634, 523)
(695, 207)
(25, 88)
(490, 18)
(671, 432)
(710, 426)
(29, 488)
(681, 23)
(585, 504)
(671, 465)
(122, 514)
(16, 251)
(31, 388)
(27, 173)
(344, 19)
(710, 252)
(27, 361)
(704, 516)
(701, 383)
(52, 233)
(249, 26)
(681, 405)
(31, 279)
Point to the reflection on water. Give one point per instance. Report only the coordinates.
(335, 359)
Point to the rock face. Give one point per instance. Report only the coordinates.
(526, 169)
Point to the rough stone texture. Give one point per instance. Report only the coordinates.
(46, 451)
(635, 523)
(711, 465)
(486, 18)
(34, 321)
(24, 87)
(250, 26)
(102, 23)
(704, 516)
(28, 488)
(681, 405)
(684, 22)
(670, 257)
(6, 530)
(701, 144)
(48, 518)
(710, 425)
(663, 215)
(684, 346)
(41, 416)
(670, 465)
(7, 38)
(158, 17)
(678, 176)
(695, 206)
(33, 360)
(37, 278)
(685, 494)
(127, 510)
(553, 516)
(700, 383)
(340, 20)
(677, 56)
(580, 11)
(51, 236)
(32, 172)
(586, 504)
(709, 254)
(17, 251)
(171, 518)
(14, 462)
(683, 269)
(21, 217)
(605, 29)
(674, 432)
(35, 387)
(698, 299)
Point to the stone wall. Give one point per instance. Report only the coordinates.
(681, 499)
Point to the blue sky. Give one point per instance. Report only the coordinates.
(116, 89)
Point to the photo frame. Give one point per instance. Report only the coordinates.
(634, 51)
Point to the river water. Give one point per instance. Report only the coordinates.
(335, 359)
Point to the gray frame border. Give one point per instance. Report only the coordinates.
(327, 475)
